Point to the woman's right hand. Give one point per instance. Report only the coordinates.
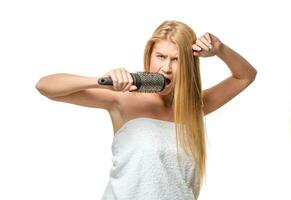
(121, 79)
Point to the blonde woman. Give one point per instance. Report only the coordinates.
(159, 138)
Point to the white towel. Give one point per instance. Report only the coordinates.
(145, 165)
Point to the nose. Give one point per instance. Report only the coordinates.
(167, 67)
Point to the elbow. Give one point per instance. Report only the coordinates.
(40, 88)
(253, 75)
(38, 85)
(251, 78)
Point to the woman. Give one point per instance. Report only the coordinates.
(159, 144)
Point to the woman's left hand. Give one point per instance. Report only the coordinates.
(207, 45)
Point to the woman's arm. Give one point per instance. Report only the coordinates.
(239, 67)
(62, 84)
(243, 73)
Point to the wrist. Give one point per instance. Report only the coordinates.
(93, 82)
(220, 50)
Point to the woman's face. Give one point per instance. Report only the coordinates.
(164, 60)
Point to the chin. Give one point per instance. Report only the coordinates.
(166, 91)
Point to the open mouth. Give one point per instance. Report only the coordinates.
(168, 81)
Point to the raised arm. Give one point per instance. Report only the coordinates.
(242, 72)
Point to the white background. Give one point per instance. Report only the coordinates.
(54, 150)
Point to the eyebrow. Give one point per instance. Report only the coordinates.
(163, 54)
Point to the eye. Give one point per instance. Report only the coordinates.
(161, 56)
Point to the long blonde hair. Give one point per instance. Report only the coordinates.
(187, 95)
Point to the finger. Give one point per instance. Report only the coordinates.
(119, 79)
(202, 45)
(196, 47)
(122, 80)
(196, 53)
(128, 85)
(126, 88)
(114, 79)
(132, 86)
(125, 80)
(205, 41)
(207, 35)
(201, 54)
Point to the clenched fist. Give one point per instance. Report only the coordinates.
(121, 79)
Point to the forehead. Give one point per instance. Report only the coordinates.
(166, 47)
